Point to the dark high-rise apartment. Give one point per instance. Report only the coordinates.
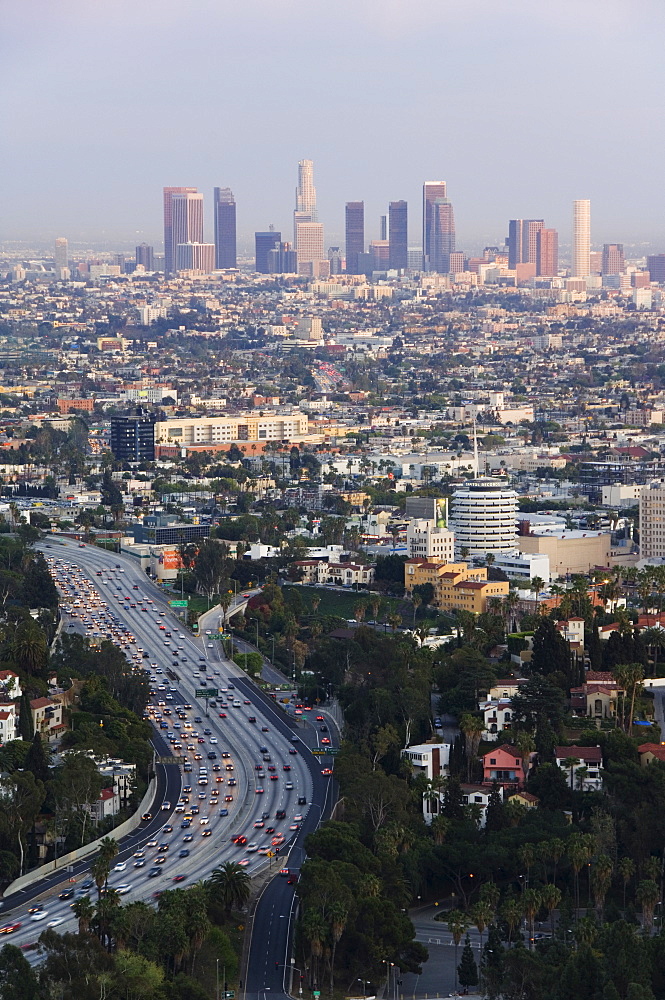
(169, 245)
(523, 241)
(432, 190)
(133, 437)
(383, 227)
(441, 235)
(656, 267)
(613, 259)
(355, 234)
(225, 229)
(547, 253)
(263, 244)
(145, 256)
(398, 235)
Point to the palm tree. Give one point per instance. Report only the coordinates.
(647, 894)
(473, 727)
(531, 903)
(315, 600)
(458, 924)
(84, 911)
(570, 763)
(481, 914)
(416, 600)
(537, 584)
(99, 870)
(628, 676)
(359, 610)
(580, 850)
(550, 895)
(581, 774)
(314, 930)
(526, 856)
(626, 869)
(440, 826)
(338, 915)
(511, 913)
(601, 879)
(232, 883)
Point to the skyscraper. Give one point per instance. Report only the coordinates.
(613, 258)
(187, 219)
(282, 259)
(441, 226)
(431, 191)
(61, 254)
(523, 241)
(547, 253)
(355, 234)
(225, 228)
(264, 243)
(169, 245)
(145, 256)
(195, 257)
(306, 192)
(581, 263)
(398, 235)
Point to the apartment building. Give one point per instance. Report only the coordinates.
(652, 520)
(227, 429)
(425, 540)
(457, 587)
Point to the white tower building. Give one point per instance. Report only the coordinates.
(484, 517)
(581, 264)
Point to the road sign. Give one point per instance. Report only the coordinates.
(206, 692)
(316, 993)
(230, 994)
(179, 604)
(324, 753)
(270, 854)
(173, 761)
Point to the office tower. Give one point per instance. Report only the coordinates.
(415, 258)
(169, 244)
(282, 259)
(656, 267)
(61, 254)
(224, 208)
(431, 191)
(523, 241)
(613, 258)
(581, 265)
(398, 235)
(133, 437)
(547, 253)
(383, 227)
(337, 260)
(309, 246)
(441, 235)
(484, 517)
(379, 251)
(263, 244)
(186, 219)
(457, 262)
(195, 257)
(355, 234)
(306, 192)
(145, 256)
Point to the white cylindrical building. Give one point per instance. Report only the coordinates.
(484, 518)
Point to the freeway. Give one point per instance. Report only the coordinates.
(119, 596)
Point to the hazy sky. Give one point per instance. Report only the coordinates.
(520, 106)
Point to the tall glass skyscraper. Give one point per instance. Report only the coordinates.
(431, 191)
(225, 229)
(398, 235)
(355, 234)
(169, 243)
(581, 263)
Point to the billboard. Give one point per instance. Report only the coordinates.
(441, 513)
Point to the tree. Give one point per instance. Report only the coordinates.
(232, 883)
(25, 726)
(481, 914)
(492, 964)
(37, 760)
(458, 923)
(17, 978)
(601, 879)
(22, 799)
(84, 912)
(550, 895)
(626, 868)
(472, 726)
(467, 970)
(210, 566)
(647, 894)
(551, 652)
(531, 902)
(629, 676)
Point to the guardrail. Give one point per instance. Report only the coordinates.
(83, 852)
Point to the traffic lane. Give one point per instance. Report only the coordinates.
(270, 933)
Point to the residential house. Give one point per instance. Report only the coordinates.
(498, 716)
(456, 585)
(10, 685)
(108, 804)
(651, 751)
(340, 574)
(573, 632)
(506, 687)
(585, 775)
(8, 722)
(597, 697)
(47, 717)
(430, 759)
(526, 799)
(478, 796)
(505, 766)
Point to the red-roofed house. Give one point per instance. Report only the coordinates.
(585, 775)
(7, 722)
(505, 766)
(651, 751)
(108, 804)
(10, 685)
(47, 717)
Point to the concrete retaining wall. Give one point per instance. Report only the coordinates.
(83, 852)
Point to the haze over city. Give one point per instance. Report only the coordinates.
(521, 107)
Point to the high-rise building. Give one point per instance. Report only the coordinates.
(379, 252)
(309, 245)
(61, 254)
(383, 227)
(656, 267)
(337, 260)
(264, 243)
(484, 517)
(523, 241)
(187, 219)
(145, 256)
(225, 229)
(547, 253)
(457, 262)
(581, 263)
(195, 257)
(355, 234)
(398, 235)
(613, 259)
(431, 191)
(306, 192)
(169, 244)
(282, 259)
(133, 437)
(652, 519)
(441, 235)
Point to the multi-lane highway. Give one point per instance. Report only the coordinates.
(262, 783)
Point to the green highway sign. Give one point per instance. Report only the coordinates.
(324, 753)
(230, 994)
(172, 760)
(179, 604)
(206, 692)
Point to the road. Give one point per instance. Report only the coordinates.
(134, 601)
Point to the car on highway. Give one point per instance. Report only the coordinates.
(39, 915)
(9, 928)
(154, 872)
(66, 894)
